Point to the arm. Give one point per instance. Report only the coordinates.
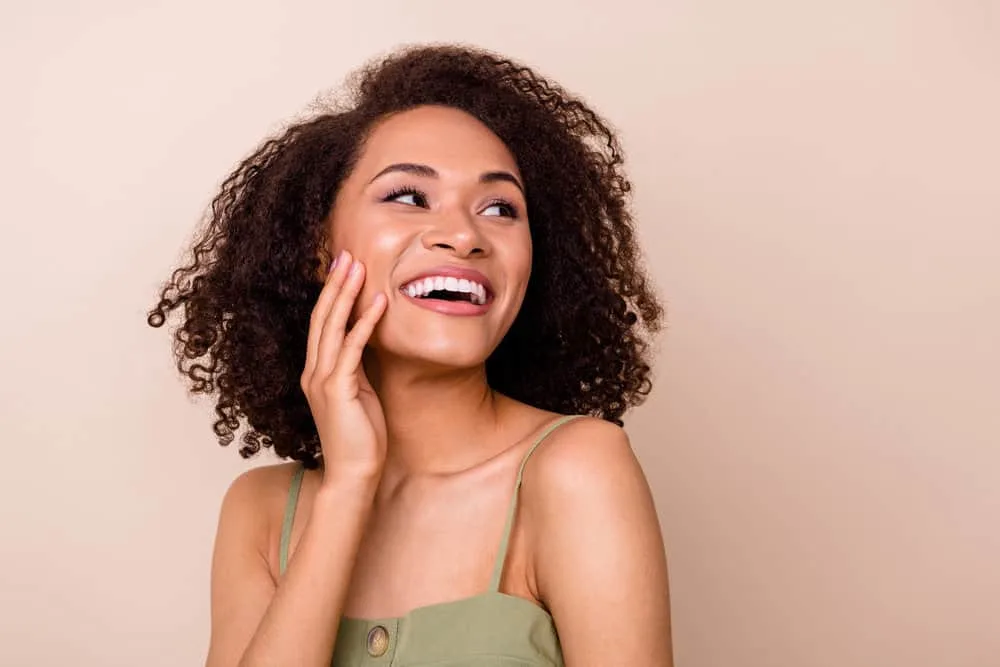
(256, 621)
(599, 562)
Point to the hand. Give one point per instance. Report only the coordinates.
(348, 415)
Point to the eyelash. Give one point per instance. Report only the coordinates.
(506, 204)
(396, 193)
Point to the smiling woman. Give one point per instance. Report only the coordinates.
(428, 298)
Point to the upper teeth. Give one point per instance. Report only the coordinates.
(424, 286)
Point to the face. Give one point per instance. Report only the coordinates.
(435, 209)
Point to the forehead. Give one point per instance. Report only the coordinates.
(440, 137)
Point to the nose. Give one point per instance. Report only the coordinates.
(456, 232)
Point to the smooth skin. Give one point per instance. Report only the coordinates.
(419, 454)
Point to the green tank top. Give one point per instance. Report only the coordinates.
(490, 629)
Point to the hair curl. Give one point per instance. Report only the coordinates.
(580, 343)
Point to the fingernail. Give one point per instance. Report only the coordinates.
(355, 267)
(341, 256)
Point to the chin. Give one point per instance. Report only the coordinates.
(436, 340)
(440, 349)
(442, 357)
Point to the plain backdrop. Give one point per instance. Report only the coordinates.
(818, 194)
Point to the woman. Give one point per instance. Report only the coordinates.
(411, 295)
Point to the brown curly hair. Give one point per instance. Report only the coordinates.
(579, 344)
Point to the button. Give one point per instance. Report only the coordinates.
(378, 641)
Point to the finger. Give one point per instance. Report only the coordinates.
(335, 326)
(355, 342)
(331, 288)
(327, 297)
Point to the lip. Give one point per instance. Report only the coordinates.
(451, 307)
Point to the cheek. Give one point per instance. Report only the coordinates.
(379, 247)
(520, 261)
(373, 239)
(386, 242)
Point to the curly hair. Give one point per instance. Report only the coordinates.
(579, 344)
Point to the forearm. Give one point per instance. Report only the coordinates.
(300, 624)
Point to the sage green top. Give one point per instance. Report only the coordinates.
(490, 629)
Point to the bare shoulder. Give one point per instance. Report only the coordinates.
(254, 503)
(580, 457)
(597, 559)
(584, 473)
(244, 572)
(260, 488)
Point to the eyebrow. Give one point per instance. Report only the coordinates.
(429, 172)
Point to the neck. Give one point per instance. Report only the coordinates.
(438, 421)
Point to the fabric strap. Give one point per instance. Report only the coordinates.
(512, 511)
(286, 524)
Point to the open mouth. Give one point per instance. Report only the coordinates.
(447, 288)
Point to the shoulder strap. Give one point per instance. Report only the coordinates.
(512, 511)
(286, 524)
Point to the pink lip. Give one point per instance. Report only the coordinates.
(451, 307)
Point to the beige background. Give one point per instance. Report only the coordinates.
(818, 186)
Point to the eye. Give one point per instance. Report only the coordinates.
(500, 208)
(407, 196)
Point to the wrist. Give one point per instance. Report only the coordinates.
(340, 487)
